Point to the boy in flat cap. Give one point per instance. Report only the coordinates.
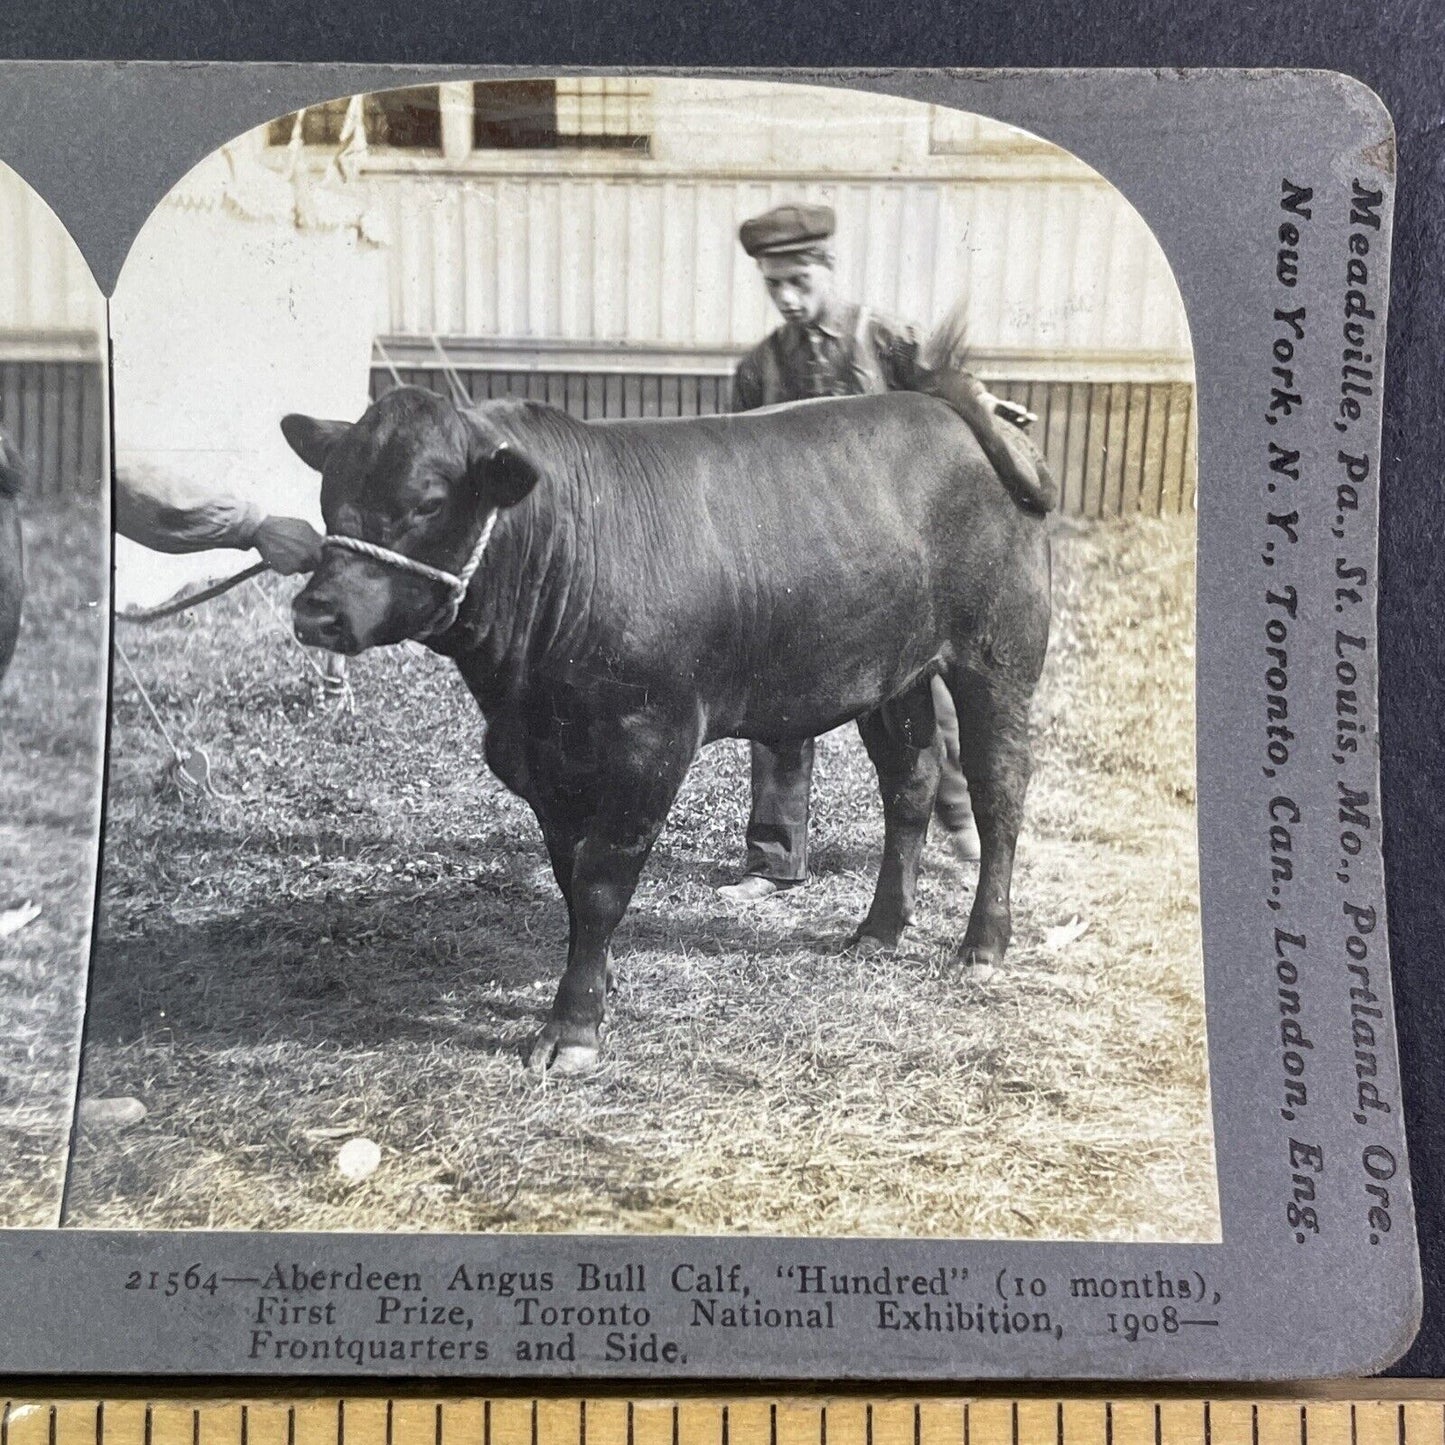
(825, 347)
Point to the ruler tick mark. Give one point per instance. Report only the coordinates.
(28, 1421)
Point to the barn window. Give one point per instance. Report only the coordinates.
(408, 119)
(594, 112)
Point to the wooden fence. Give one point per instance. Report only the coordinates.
(55, 413)
(1117, 449)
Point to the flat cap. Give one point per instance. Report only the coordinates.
(792, 227)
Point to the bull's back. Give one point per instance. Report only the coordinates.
(881, 466)
(821, 500)
(878, 451)
(817, 556)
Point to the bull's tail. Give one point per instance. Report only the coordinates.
(1019, 463)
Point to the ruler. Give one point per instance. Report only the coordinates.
(1413, 1415)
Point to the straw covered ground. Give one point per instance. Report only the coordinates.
(362, 937)
(52, 717)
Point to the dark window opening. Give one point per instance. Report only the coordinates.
(593, 114)
(409, 119)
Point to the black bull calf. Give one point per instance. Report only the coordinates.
(652, 586)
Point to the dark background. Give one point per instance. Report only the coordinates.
(1396, 46)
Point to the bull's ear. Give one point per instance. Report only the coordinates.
(312, 439)
(500, 474)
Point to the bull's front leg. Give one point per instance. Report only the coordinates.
(604, 876)
(614, 827)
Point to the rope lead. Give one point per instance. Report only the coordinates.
(456, 583)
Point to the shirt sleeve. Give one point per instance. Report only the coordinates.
(898, 349)
(167, 515)
(747, 385)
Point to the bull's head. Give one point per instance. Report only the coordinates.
(415, 478)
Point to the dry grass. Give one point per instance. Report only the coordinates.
(364, 938)
(52, 708)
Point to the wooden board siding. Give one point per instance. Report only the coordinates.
(652, 259)
(1117, 449)
(55, 413)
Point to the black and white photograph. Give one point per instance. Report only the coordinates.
(54, 601)
(653, 684)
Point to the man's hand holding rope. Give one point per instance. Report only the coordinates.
(288, 545)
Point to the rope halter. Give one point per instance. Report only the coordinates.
(456, 583)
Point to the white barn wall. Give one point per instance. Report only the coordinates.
(52, 328)
(50, 306)
(1056, 273)
(607, 250)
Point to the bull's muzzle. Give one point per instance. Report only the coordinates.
(318, 622)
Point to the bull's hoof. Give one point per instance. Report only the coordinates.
(565, 1051)
(964, 842)
(979, 964)
(866, 945)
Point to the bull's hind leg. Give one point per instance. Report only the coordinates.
(902, 742)
(993, 727)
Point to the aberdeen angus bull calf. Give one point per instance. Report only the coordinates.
(12, 556)
(617, 594)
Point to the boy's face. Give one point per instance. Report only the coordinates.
(799, 287)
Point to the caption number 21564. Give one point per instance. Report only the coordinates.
(194, 1280)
